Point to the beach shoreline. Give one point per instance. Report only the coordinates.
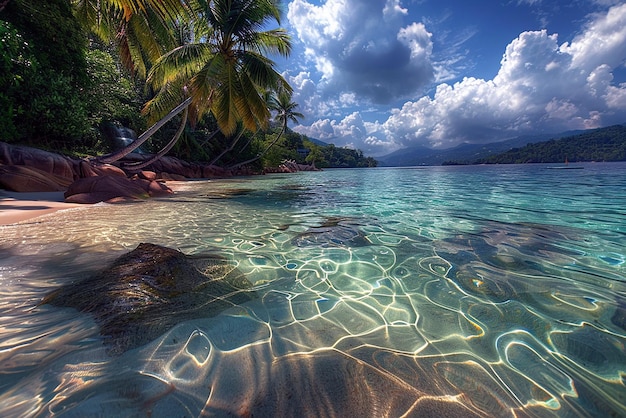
(18, 207)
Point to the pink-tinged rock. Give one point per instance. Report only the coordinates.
(107, 170)
(49, 162)
(158, 189)
(211, 171)
(207, 172)
(147, 175)
(85, 169)
(153, 188)
(104, 189)
(19, 178)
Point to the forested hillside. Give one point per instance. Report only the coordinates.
(72, 80)
(299, 148)
(604, 144)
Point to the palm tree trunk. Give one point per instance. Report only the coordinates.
(230, 148)
(206, 140)
(111, 158)
(251, 160)
(165, 150)
(244, 147)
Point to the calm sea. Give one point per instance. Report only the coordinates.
(432, 291)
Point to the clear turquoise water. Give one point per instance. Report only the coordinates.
(438, 291)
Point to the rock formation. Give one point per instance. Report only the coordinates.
(149, 290)
(26, 169)
(333, 232)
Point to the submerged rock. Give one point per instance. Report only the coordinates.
(151, 289)
(497, 261)
(333, 232)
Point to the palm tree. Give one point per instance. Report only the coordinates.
(267, 95)
(220, 67)
(285, 112)
(225, 71)
(143, 30)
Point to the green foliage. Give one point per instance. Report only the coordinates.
(316, 156)
(56, 38)
(334, 157)
(55, 92)
(45, 81)
(296, 147)
(605, 144)
(113, 95)
(15, 65)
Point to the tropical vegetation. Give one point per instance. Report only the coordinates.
(195, 77)
(604, 144)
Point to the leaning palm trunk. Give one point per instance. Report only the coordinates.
(251, 160)
(165, 150)
(230, 148)
(245, 146)
(111, 158)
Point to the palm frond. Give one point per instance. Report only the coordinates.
(203, 84)
(170, 9)
(261, 70)
(182, 62)
(276, 41)
(165, 100)
(251, 106)
(224, 105)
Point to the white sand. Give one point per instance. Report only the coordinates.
(17, 207)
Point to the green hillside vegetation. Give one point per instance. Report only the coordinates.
(296, 147)
(604, 144)
(62, 86)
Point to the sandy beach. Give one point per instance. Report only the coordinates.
(17, 207)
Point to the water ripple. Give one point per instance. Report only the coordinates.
(376, 298)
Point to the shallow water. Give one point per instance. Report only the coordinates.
(437, 291)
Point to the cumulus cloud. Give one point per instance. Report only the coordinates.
(542, 86)
(602, 42)
(364, 47)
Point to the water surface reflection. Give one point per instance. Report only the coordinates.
(430, 293)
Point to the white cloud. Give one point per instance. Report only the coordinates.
(541, 86)
(602, 42)
(607, 3)
(417, 39)
(363, 47)
(616, 97)
(352, 132)
(393, 9)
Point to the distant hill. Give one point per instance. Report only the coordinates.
(317, 142)
(604, 144)
(462, 154)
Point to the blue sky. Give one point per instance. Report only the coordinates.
(381, 75)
